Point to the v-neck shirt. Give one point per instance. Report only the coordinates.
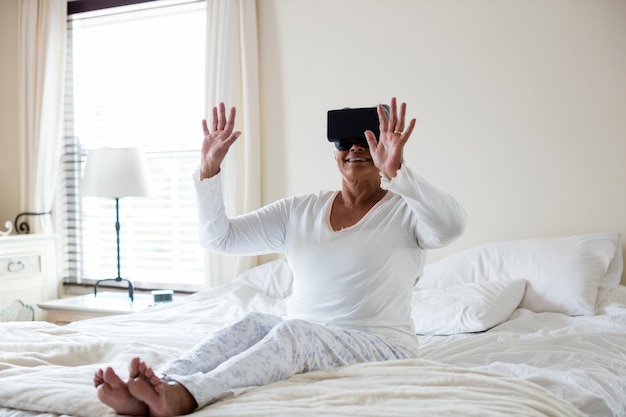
(329, 209)
(359, 277)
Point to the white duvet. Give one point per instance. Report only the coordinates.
(53, 376)
(581, 359)
(532, 365)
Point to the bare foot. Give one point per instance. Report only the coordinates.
(163, 398)
(113, 392)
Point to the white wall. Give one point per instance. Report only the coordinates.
(521, 105)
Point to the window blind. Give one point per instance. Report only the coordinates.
(110, 102)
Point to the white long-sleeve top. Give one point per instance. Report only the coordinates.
(359, 277)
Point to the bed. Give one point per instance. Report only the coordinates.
(533, 327)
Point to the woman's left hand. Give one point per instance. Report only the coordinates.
(388, 152)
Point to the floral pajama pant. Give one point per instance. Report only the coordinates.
(260, 348)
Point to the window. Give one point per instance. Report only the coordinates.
(135, 77)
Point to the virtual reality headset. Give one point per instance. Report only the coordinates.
(347, 126)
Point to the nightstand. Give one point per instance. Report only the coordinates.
(28, 269)
(67, 310)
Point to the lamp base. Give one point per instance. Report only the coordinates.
(131, 288)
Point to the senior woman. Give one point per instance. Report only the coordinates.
(354, 253)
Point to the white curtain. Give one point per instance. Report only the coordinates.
(232, 76)
(41, 66)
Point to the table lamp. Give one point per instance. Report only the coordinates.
(116, 173)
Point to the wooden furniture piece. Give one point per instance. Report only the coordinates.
(28, 270)
(67, 310)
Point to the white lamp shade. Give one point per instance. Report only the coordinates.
(115, 173)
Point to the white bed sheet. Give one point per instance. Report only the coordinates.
(579, 359)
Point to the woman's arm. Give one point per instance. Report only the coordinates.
(261, 231)
(440, 218)
(255, 233)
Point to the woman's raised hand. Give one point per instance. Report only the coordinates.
(217, 141)
(388, 152)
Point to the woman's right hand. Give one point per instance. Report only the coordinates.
(217, 141)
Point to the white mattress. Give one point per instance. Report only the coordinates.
(527, 365)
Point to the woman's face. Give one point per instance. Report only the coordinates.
(355, 162)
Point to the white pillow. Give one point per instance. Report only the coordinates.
(563, 274)
(273, 278)
(613, 275)
(465, 308)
